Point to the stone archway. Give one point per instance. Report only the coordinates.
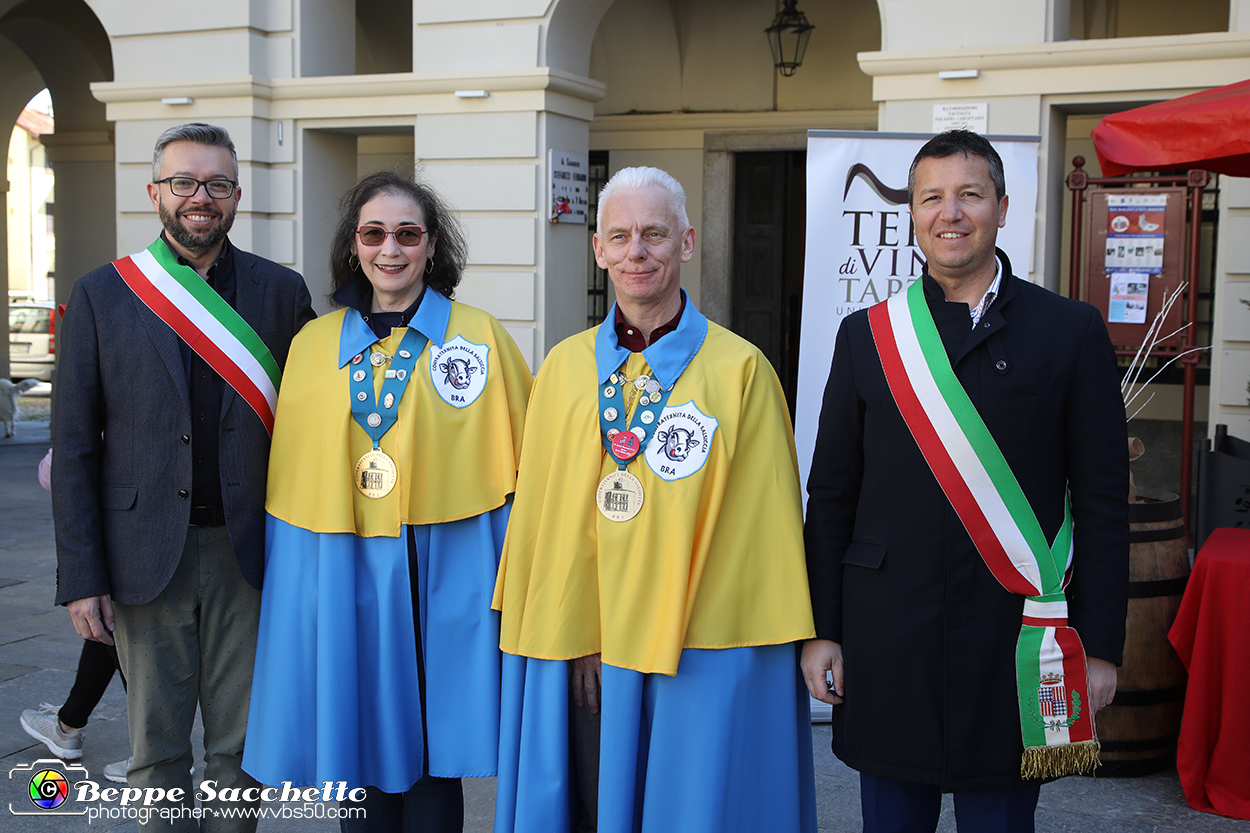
(570, 33)
(61, 45)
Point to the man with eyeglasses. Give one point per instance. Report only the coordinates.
(169, 370)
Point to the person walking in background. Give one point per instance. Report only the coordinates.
(391, 479)
(60, 728)
(969, 460)
(170, 362)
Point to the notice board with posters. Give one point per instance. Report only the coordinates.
(1136, 256)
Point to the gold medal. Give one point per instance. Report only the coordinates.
(619, 497)
(375, 474)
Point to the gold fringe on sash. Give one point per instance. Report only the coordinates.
(1057, 761)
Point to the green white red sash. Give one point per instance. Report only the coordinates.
(210, 326)
(1055, 716)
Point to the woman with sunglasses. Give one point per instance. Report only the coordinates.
(390, 480)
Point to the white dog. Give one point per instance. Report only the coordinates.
(9, 393)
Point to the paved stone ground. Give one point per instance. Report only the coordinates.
(39, 652)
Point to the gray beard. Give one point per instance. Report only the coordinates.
(196, 244)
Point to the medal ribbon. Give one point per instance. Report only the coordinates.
(209, 326)
(375, 420)
(612, 401)
(1055, 718)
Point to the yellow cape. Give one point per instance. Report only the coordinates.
(453, 462)
(713, 560)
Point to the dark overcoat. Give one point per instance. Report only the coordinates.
(928, 634)
(121, 429)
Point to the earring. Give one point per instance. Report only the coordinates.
(429, 265)
(353, 262)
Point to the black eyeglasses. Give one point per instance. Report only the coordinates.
(185, 186)
(404, 235)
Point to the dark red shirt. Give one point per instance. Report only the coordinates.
(631, 338)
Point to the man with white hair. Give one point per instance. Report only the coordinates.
(651, 602)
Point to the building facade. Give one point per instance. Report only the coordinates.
(478, 94)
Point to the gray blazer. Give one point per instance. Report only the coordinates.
(121, 428)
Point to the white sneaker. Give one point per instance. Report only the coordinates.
(116, 771)
(44, 726)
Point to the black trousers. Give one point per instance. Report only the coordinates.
(432, 805)
(96, 665)
(891, 806)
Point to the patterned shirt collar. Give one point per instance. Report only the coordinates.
(990, 294)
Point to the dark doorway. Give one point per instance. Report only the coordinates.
(596, 278)
(770, 217)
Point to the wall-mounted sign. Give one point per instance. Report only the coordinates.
(570, 194)
(861, 247)
(974, 117)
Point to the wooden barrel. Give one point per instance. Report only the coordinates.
(1138, 730)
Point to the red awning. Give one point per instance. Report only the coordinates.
(1207, 130)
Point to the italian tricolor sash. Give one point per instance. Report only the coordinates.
(210, 326)
(1055, 718)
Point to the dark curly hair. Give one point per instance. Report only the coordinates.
(440, 223)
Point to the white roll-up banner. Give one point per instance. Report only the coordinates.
(861, 247)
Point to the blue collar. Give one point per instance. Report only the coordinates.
(668, 357)
(431, 321)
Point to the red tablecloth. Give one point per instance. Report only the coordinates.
(1212, 637)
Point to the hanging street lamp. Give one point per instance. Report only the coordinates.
(787, 38)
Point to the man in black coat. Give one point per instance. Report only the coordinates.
(914, 630)
(162, 451)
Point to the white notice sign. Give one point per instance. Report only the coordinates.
(570, 192)
(974, 117)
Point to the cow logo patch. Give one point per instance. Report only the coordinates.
(682, 441)
(458, 370)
